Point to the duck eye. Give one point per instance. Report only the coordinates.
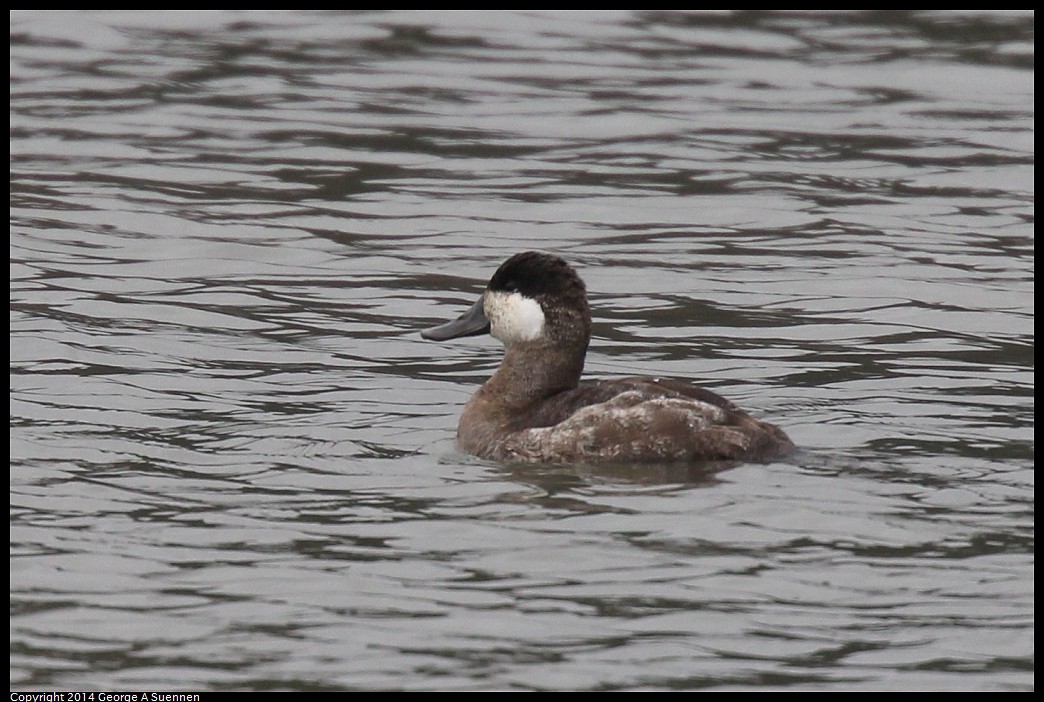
(510, 286)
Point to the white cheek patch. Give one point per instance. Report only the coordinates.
(513, 317)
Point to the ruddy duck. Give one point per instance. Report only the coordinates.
(535, 409)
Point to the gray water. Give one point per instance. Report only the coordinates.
(232, 461)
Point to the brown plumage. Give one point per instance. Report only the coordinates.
(534, 408)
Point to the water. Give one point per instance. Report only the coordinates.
(231, 453)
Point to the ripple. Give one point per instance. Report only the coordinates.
(231, 454)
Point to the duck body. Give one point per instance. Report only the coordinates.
(534, 408)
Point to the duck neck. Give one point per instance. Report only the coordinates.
(534, 371)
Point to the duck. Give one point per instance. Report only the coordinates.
(535, 409)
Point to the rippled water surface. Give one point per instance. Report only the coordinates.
(231, 453)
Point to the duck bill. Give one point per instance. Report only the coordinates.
(471, 323)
